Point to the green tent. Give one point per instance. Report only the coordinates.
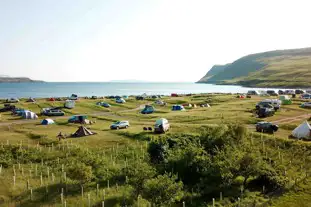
(285, 100)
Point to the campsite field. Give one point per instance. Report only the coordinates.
(42, 161)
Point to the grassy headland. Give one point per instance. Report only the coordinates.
(282, 68)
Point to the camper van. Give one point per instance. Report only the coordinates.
(69, 104)
(161, 126)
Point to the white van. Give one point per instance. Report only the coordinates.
(161, 126)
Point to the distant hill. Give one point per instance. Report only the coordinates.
(213, 71)
(7, 79)
(280, 68)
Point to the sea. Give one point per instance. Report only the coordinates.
(57, 89)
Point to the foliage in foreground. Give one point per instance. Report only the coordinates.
(223, 160)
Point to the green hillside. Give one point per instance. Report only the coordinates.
(281, 68)
(213, 71)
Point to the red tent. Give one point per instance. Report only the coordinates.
(51, 99)
(174, 95)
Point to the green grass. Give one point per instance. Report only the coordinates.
(131, 143)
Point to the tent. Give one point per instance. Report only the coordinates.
(82, 131)
(29, 115)
(285, 100)
(80, 119)
(31, 100)
(51, 99)
(178, 108)
(47, 122)
(148, 109)
(69, 104)
(302, 131)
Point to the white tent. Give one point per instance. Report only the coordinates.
(29, 115)
(302, 131)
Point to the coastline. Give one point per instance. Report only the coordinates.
(257, 86)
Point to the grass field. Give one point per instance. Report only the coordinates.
(41, 161)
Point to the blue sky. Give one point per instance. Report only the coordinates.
(155, 40)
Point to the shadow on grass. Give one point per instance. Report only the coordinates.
(143, 136)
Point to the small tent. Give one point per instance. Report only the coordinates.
(82, 131)
(51, 99)
(31, 100)
(302, 131)
(285, 100)
(47, 122)
(148, 109)
(178, 108)
(69, 104)
(29, 115)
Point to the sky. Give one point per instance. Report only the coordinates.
(153, 40)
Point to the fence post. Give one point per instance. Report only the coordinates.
(89, 200)
(14, 180)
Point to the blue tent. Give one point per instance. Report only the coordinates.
(178, 108)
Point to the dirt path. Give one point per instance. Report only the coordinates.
(292, 119)
(111, 114)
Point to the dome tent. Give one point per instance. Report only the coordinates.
(47, 122)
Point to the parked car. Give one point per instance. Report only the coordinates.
(120, 100)
(52, 112)
(159, 102)
(138, 98)
(281, 92)
(94, 97)
(274, 102)
(272, 93)
(298, 91)
(306, 96)
(263, 112)
(12, 100)
(306, 105)
(289, 92)
(266, 127)
(18, 111)
(161, 126)
(252, 92)
(7, 107)
(104, 104)
(111, 97)
(120, 125)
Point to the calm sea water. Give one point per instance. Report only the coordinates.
(48, 89)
